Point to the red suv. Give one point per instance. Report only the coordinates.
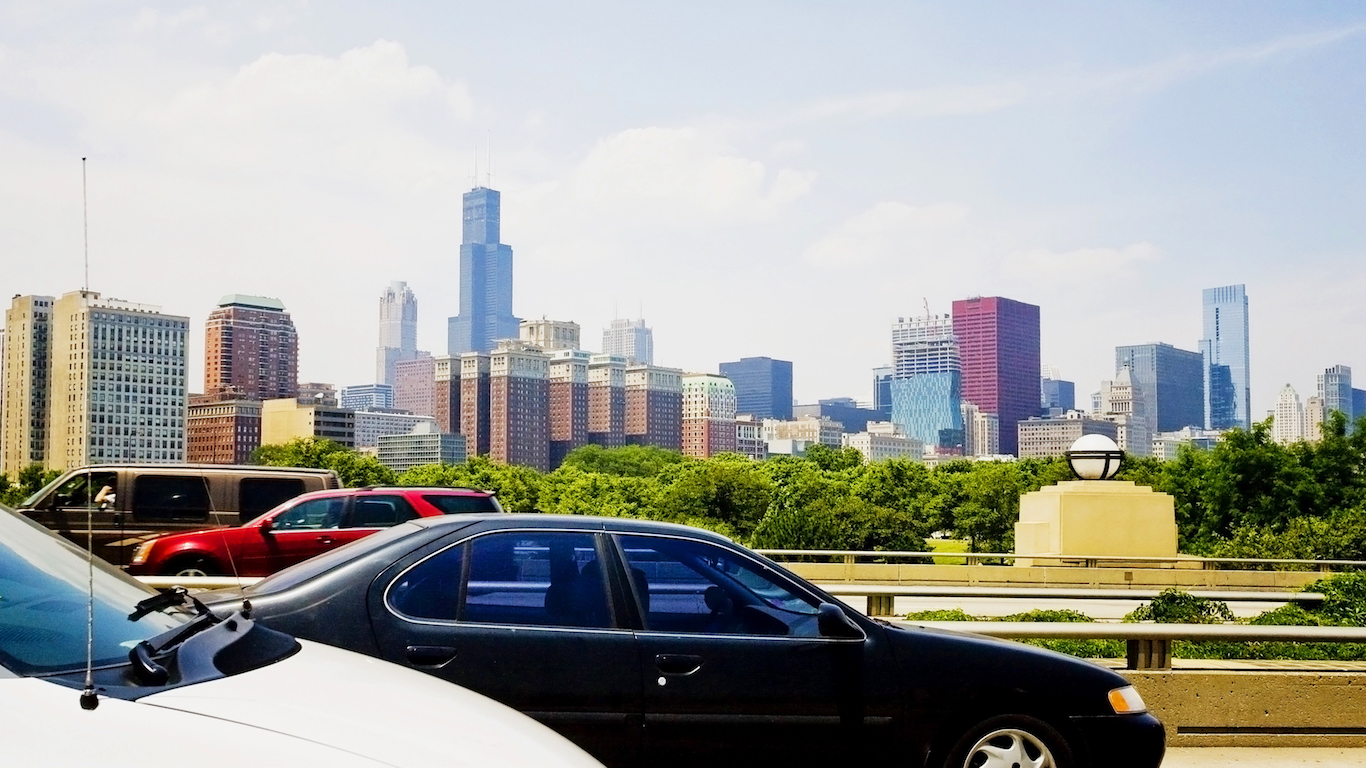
(298, 529)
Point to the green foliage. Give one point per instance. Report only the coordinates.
(630, 461)
(29, 481)
(844, 522)
(353, 469)
(947, 614)
(730, 489)
(1176, 606)
(833, 459)
(1047, 615)
(991, 506)
(1344, 598)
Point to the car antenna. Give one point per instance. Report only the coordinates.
(232, 561)
(89, 700)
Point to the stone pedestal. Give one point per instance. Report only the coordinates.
(1088, 519)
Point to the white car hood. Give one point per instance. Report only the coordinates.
(371, 708)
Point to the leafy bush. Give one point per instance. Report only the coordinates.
(949, 614)
(1176, 606)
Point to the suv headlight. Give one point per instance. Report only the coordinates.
(1126, 701)
(140, 554)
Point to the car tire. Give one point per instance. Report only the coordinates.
(190, 566)
(1011, 741)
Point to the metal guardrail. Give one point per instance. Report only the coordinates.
(880, 596)
(1149, 645)
(975, 558)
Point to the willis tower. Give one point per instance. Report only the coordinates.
(485, 279)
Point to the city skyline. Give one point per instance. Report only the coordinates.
(1105, 171)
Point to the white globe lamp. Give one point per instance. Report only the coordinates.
(1094, 457)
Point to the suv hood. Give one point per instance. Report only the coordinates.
(374, 709)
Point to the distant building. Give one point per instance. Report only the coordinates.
(1169, 381)
(284, 419)
(763, 386)
(485, 278)
(882, 391)
(1287, 426)
(842, 409)
(116, 383)
(519, 400)
(630, 339)
(981, 432)
(1056, 394)
(318, 393)
(397, 330)
(1228, 398)
(927, 381)
(446, 393)
(370, 426)
(568, 374)
(1047, 438)
(251, 349)
(749, 437)
(708, 415)
(883, 441)
(1314, 415)
(1122, 403)
(998, 340)
(415, 385)
(550, 335)
(1335, 391)
(368, 396)
(1166, 445)
(24, 409)
(222, 431)
(813, 429)
(788, 447)
(424, 445)
(475, 419)
(607, 401)
(654, 406)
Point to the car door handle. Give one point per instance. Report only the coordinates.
(678, 663)
(325, 539)
(430, 655)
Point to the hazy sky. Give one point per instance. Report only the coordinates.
(780, 179)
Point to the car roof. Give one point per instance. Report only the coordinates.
(328, 492)
(575, 522)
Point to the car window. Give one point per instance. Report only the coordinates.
(171, 497)
(451, 504)
(536, 578)
(258, 495)
(685, 585)
(315, 514)
(431, 589)
(380, 511)
(82, 488)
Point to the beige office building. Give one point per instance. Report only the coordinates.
(285, 419)
(550, 335)
(23, 410)
(117, 383)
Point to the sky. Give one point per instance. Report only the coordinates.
(779, 179)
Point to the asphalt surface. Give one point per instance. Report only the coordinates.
(1264, 757)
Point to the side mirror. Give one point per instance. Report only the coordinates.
(834, 622)
(266, 526)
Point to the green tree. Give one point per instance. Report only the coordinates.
(353, 469)
(730, 489)
(629, 461)
(29, 481)
(991, 506)
(1176, 606)
(833, 459)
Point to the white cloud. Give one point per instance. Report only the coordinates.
(1080, 264)
(886, 231)
(678, 173)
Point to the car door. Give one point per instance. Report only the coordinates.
(733, 664)
(526, 617)
(295, 534)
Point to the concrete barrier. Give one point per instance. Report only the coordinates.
(1051, 576)
(1256, 708)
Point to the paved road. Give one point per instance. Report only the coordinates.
(1245, 757)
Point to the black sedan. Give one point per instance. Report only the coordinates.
(649, 643)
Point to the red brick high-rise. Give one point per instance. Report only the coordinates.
(474, 402)
(446, 393)
(607, 401)
(519, 399)
(415, 385)
(221, 429)
(654, 406)
(251, 349)
(998, 340)
(568, 402)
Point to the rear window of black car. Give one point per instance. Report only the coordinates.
(455, 505)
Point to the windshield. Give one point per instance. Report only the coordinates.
(43, 594)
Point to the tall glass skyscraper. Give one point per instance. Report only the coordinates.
(485, 278)
(763, 386)
(1228, 397)
(1169, 382)
(927, 381)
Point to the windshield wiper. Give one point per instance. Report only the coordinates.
(173, 597)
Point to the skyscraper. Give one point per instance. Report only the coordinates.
(882, 391)
(708, 416)
(1288, 425)
(23, 411)
(763, 386)
(485, 278)
(568, 375)
(654, 406)
(607, 401)
(397, 330)
(519, 405)
(1335, 391)
(116, 383)
(1169, 381)
(251, 350)
(927, 381)
(998, 339)
(1228, 398)
(630, 339)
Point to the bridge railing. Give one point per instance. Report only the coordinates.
(975, 558)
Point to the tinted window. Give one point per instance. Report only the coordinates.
(693, 586)
(431, 589)
(380, 511)
(454, 505)
(536, 578)
(258, 495)
(171, 497)
(312, 514)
